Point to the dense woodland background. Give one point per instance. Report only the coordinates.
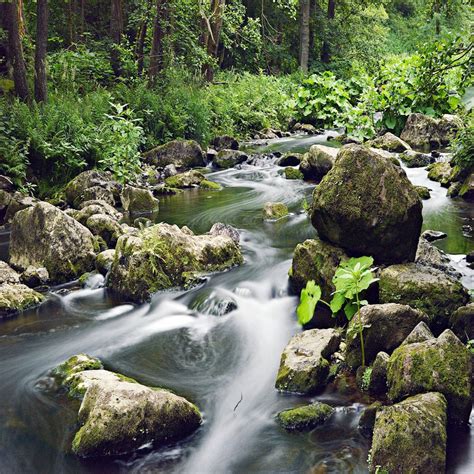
(88, 83)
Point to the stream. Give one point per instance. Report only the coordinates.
(187, 341)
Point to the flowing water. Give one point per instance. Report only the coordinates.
(225, 362)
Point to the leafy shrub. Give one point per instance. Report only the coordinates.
(464, 148)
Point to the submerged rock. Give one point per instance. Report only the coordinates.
(440, 364)
(228, 159)
(274, 210)
(427, 289)
(367, 206)
(305, 418)
(138, 200)
(44, 236)
(164, 256)
(410, 436)
(119, 415)
(92, 185)
(427, 133)
(293, 173)
(389, 142)
(385, 328)
(16, 297)
(318, 162)
(181, 153)
(304, 364)
(315, 260)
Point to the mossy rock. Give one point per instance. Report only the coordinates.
(16, 297)
(210, 185)
(427, 289)
(228, 159)
(389, 142)
(466, 191)
(414, 159)
(367, 206)
(290, 159)
(181, 153)
(188, 179)
(305, 418)
(442, 172)
(410, 437)
(436, 365)
(423, 192)
(293, 173)
(274, 210)
(318, 162)
(136, 200)
(462, 322)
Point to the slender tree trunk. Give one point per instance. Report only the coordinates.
(15, 50)
(215, 26)
(71, 23)
(82, 20)
(312, 16)
(156, 54)
(304, 34)
(326, 51)
(116, 28)
(40, 52)
(140, 46)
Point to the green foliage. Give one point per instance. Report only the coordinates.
(470, 346)
(463, 147)
(366, 379)
(310, 296)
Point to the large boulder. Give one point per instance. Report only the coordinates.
(92, 185)
(290, 159)
(427, 133)
(185, 180)
(138, 200)
(315, 260)
(304, 364)
(410, 437)
(415, 159)
(7, 274)
(389, 142)
(225, 142)
(105, 227)
(385, 326)
(427, 289)
(462, 322)
(91, 208)
(16, 297)
(442, 172)
(367, 206)
(181, 153)
(318, 162)
(164, 256)
(119, 415)
(440, 364)
(10, 204)
(305, 418)
(44, 236)
(228, 159)
(430, 256)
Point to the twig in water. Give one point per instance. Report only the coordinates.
(239, 402)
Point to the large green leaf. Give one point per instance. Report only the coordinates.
(308, 300)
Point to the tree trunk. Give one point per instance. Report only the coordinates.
(71, 23)
(15, 50)
(214, 25)
(326, 51)
(304, 34)
(140, 46)
(156, 54)
(40, 51)
(116, 28)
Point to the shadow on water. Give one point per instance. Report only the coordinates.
(215, 344)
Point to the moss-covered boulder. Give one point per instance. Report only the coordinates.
(462, 322)
(305, 418)
(228, 159)
(16, 297)
(138, 200)
(410, 437)
(427, 133)
(105, 227)
(318, 162)
(385, 326)
(7, 274)
(187, 179)
(423, 192)
(293, 173)
(274, 210)
(304, 364)
(427, 289)
(389, 142)
(440, 364)
(290, 159)
(10, 204)
(92, 185)
(225, 142)
(415, 159)
(368, 206)
(421, 333)
(44, 236)
(35, 276)
(315, 260)
(442, 172)
(91, 208)
(466, 190)
(104, 260)
(183, 154)
(118, 415)
(210, 185)
(164, 256)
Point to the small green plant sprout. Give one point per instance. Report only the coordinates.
(351, 279)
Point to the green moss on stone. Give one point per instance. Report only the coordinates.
(293, 173)
(306, 417)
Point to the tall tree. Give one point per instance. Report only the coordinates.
(116, 29)
(304, 34)
(326, 50)
(15, 49)
(40, 51)
(211, 37)
(157, 48)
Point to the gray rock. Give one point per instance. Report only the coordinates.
(7, 274)
(290, 159)
(462, 322)
(367, 420)
(378, 376)
(34, 276)
(411, 436)
(318, 162)
(421, 332)
(16, 297)
(138, 200)
(228, 159)
(432, 235)
(374, 213)
(170, 170)
(414, 159)
(389, 142)
(183, 154)
(92, 185)
(305, 418)
(225, 230)
(430, 256)
(225, 142)
(304, 365)
(90, 208)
